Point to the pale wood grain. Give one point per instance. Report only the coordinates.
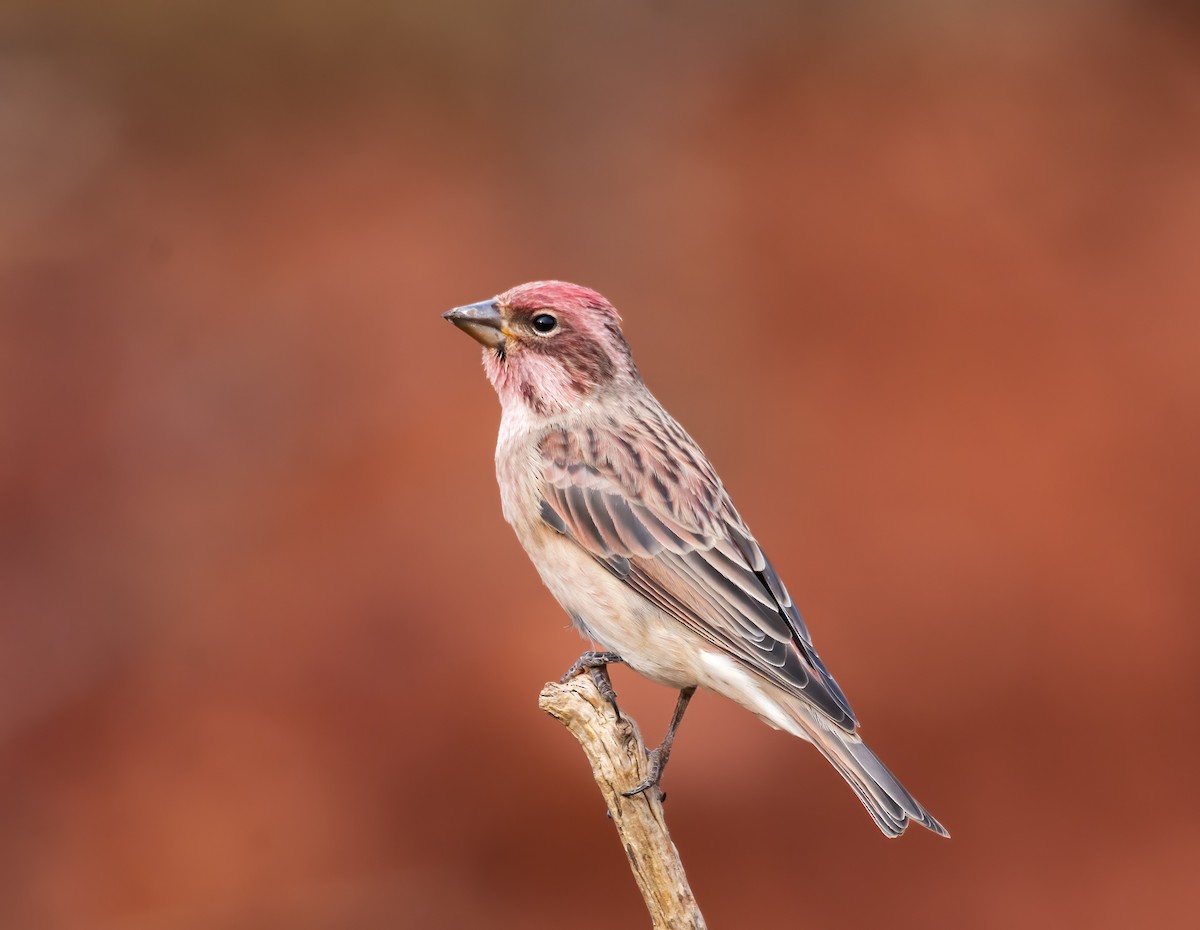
(615, 750)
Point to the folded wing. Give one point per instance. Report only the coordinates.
(651, 509)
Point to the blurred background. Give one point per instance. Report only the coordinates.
(922, 279)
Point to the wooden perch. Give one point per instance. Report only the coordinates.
(619, 762)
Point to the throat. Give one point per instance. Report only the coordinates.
(537, 384)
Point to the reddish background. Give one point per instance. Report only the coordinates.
(921, 278)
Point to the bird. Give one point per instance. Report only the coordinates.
(636, 537)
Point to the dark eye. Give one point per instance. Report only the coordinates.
(544, 323)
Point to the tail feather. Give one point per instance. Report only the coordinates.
(885, 799)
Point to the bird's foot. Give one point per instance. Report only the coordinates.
(589, 661)
(596, 665)
(658, 757)
(658, 762)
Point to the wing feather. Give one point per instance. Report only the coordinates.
(651, 510)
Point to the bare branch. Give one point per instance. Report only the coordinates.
(619, 762)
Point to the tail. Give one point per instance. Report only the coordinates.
(884, 797)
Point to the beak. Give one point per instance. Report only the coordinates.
(481, 321)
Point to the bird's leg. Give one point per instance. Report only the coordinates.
(659, 756)
(596, 665)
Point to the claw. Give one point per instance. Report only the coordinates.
(652, 778)
(605, 687)
(596, 665)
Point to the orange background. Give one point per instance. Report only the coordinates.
(923, 280)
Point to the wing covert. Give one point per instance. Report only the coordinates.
(652, 511)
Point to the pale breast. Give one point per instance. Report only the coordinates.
(516, 465)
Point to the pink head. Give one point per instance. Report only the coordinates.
(548, 344)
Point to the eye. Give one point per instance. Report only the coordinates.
(544, 323)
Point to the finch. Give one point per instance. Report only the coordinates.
(635, 535)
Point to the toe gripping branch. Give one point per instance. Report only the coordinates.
(659, 756)
(596, 665)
